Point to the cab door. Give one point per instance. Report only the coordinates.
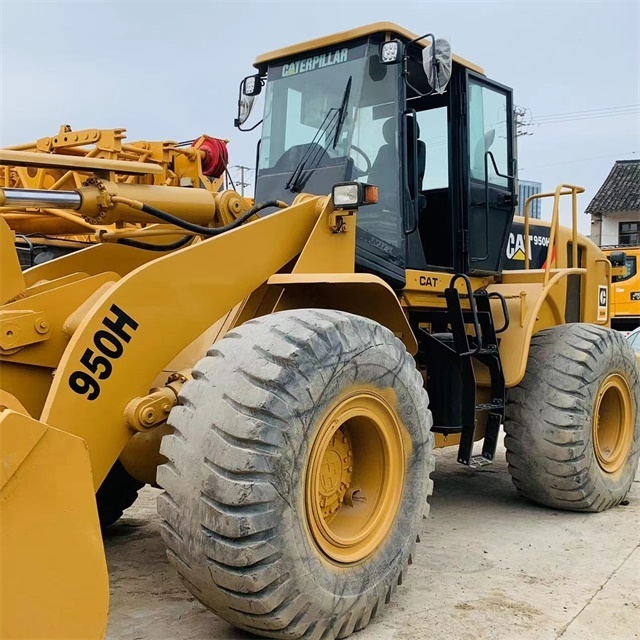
(490, 168)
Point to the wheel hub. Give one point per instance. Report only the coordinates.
(613, 423)
(335, 473)
(355, 477)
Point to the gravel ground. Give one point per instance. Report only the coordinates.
(491, 565)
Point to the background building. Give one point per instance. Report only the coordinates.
(527, 188)
(615, 209)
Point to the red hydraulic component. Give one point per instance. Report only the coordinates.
(216, 156)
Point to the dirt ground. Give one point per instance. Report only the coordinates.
(490, 565)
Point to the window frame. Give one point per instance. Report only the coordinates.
(636, 232)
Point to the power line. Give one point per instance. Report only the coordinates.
(593, 117)
(555, 164)
(602, 109)
(589, 114)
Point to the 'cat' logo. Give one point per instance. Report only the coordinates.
(516, 248)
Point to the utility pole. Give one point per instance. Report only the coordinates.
(523, 121)
(242, 184)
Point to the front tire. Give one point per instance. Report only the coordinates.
(573, 423)
(298, 474)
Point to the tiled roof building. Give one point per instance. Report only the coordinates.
(615, 209)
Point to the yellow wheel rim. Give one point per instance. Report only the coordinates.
(355, 477)
(613, 423)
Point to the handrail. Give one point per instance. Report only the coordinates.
(561, 190)
(29, 247)
(505, 310)
(472, 309)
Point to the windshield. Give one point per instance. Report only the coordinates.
(330, 118)
(303, 99)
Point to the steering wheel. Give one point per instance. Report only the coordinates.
(366, 159)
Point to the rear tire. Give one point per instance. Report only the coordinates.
(283, 420)
(573, 423)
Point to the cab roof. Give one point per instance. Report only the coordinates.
(393, 30)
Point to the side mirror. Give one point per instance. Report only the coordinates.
(618, 258)
(437, 64)
(391, 52)
(250, 87)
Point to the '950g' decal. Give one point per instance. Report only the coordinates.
(109, 343)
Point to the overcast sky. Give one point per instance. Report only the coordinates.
(170, 70)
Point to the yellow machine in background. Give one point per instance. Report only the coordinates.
(625, 288)
(292, 364)
(69, 158)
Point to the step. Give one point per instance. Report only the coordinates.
(488, 351)
(489, 406)
(479, 461)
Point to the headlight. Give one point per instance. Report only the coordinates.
(351, 195)
(346, 196)
(391, 52)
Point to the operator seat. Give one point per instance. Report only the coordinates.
(421, 160)
(383, 173)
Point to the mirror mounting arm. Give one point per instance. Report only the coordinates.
(405, 66)
(238, 126)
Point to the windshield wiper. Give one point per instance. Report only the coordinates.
(342, 113)
(334, 118)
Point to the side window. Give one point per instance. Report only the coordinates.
(376, 157)
(434, 132)
(264, 160)
(629, 232)
(488, 131)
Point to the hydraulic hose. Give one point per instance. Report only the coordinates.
(150, 246)
(199, 229)
(195, 228)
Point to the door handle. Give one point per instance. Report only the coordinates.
(508, 200)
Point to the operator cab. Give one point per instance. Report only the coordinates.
(359, 106)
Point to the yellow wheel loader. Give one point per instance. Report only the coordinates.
(292, 364)
(69, 158)
(625, 289)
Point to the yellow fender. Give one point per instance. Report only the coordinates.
(358, 293)
(534, 306)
